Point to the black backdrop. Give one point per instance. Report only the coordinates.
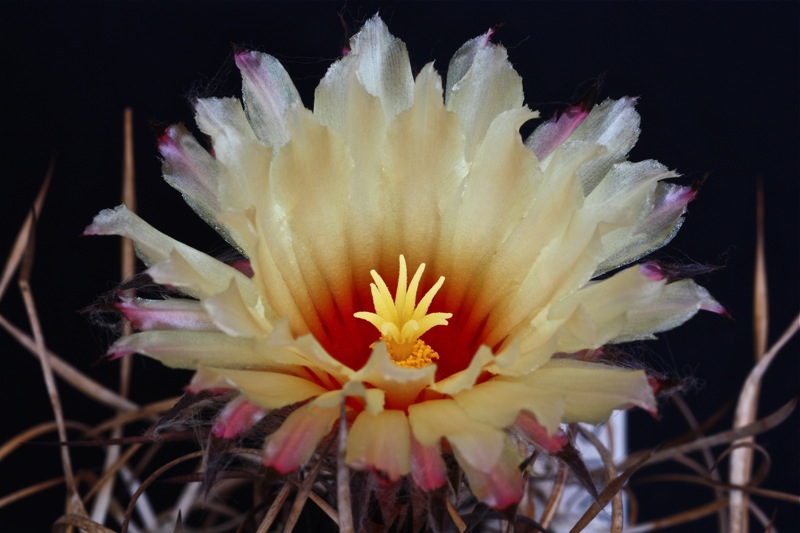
(719, 92)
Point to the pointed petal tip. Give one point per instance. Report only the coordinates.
(657, 270)
(427, 466)
(245, 59)
(716, 308)
(100, 221)
(167, 137)
(528, 424)
(117, 351)
(238, 416)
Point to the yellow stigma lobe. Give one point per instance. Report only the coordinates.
(401, 320)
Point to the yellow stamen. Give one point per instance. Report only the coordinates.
(421, 355)
(401, 320)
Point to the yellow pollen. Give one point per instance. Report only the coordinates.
(421, 355)
(401, 320)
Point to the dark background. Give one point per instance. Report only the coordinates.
(719, 92)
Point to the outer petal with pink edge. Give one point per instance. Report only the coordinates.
(293, 444)
(382, 442)
(484, 452)
(189, 349)
(239, 415)
(590, 391)
(427, 467)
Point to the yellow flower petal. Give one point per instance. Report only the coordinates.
(472, 228)
(627, 306)
(382, 442)
(205, 274)
(188, 349)
(230, 312)
(499, 485)
(270, 390)
(590, 391)
(401, 385)
(423, 141)
(297, 439)
(498, 402)
(465, 379)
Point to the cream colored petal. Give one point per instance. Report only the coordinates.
(436, 419)
(627, 306)
(491, 201)
(172, 313)
(310, 181)
(498, 401)
(677, 303)
(270, 390)
(244, 162)
(204, 379)
(334, 398)
(282, 352)
(197, 277)
(381, 442)
(423, 164)
(227, 179)
(375, 400)
(293, 444)
(654, 228)
(562, 266)
(277, 288)
(465, 379)
(590, 391)
(239, 225)
(306, 351)
(342, 103)
(190, 169)
(231, 313)
(627, 198)
(188, 349)
(463, 59)
(627, 187)
(268, 92)
(483, 451)
(210, 276)
(500, 485)
(614, 124)
(401, 385)
(244, 179)
(222, 117)
(530, 349)
(549, 235)
(383, 66)
(489, 86)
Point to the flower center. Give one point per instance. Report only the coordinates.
(401, 320)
